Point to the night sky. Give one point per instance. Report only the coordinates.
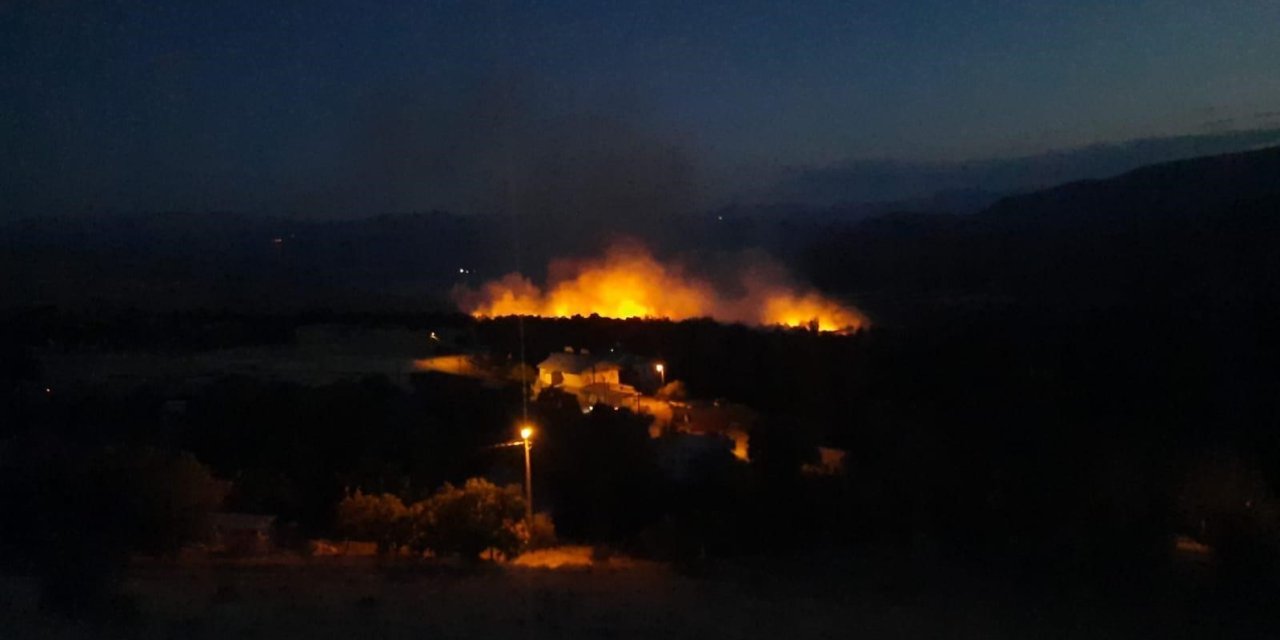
(354, 108)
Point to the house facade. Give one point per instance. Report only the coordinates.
(577, 371)
(592, 380)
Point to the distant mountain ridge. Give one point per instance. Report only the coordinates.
(889, 180)
(1172, 187)
(1198, 228)
(1179, 225)
(236, 260)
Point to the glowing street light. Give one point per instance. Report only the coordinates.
(526, 435)
(662, 371)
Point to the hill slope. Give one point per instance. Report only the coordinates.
(1186, 229)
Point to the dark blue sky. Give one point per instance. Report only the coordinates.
(348, 108)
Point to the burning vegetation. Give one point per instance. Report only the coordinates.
(629, 282)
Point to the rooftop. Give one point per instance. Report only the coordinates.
(576, 363)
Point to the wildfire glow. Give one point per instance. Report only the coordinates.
(628, 282)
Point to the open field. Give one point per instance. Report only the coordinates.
(357, 598)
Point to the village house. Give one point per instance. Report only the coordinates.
(593, 380)
(571, 370)
(714, 418)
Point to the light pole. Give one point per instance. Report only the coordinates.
(662, 372)
(526, 433)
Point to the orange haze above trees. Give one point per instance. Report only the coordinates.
(629, 282)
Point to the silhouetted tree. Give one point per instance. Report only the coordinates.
(598, 471)
(469, 519)
(381, 518)
(81, 516)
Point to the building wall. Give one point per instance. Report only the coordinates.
(589, 377)
(577, 380)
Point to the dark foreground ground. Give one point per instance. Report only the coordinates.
(813, 597)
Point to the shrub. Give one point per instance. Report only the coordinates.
(82, 516)
(542, 534)
(381, 518)
(1227, 503)
(470, 519)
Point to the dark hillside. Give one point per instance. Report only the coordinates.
(1199, 227)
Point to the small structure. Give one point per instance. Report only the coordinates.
(576, 371)
(720, 418)
(614, 395)
(242, 534)
(639, 371)
(591, 379)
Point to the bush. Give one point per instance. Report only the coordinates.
(542, 534)
(162, 501)
(83, 515)
(470, 519)
(674, 390)
(381, 518)
(1227, 503)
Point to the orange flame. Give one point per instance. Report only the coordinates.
(628, 282)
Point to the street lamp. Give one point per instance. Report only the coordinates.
(526, 433)
(662, 371)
